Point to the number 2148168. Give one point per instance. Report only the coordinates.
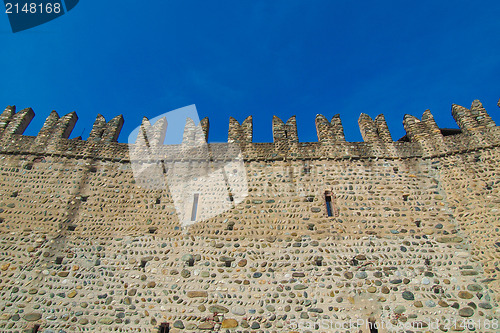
(32, 8)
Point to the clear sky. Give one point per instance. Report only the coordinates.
(250, 57)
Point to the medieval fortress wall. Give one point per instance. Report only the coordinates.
(328, 233)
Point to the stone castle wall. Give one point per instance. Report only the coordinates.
(413, 236)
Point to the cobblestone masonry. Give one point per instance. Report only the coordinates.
(413, 236)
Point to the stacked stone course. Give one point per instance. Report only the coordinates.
(413, 236)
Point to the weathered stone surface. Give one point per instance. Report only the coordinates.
(33, 316)
(399, 309)
(218, 308)
(193, 294)
(106, 321)
(486, 306)
(327, 229)
(206, 326)
(465, 294)
(238, 310)
(229, 323)
(300, 287)
(466, 312)
(408, 295)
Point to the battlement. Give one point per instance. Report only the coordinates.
(423, 137)
(97, 235)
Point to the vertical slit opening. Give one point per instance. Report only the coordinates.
(373, 325)
(164, 328)
(195, 207)
(328, 201)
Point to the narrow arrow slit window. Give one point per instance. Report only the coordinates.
(329, 203)
(195, 207)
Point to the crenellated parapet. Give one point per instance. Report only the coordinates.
(55, 129)
(195, 134)
(426, 133)
(376, 136)
(106, 132)
(240, 134)
(421, 130)
(152, 135)
(285, 136)
(472, 119)
(374, 130)
(6, 117)
(423, 138)
(12, 123)
(329, 131)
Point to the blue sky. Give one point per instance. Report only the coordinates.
(260, 58)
